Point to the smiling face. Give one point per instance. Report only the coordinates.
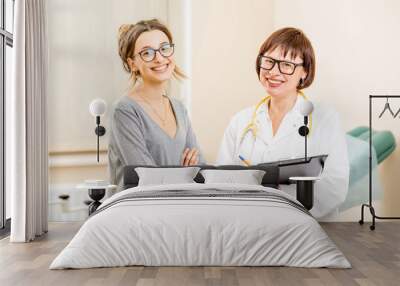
(274, 81)
(161, 68)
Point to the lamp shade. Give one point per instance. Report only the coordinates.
(98, 107)
(306, 108)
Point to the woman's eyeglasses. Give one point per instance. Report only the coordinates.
(149, 54)
(285, 67)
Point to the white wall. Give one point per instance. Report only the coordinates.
(180, 23)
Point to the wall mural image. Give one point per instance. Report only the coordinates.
(175, 83)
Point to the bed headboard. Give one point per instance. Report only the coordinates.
(270, 179)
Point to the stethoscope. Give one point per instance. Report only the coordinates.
(253, 128)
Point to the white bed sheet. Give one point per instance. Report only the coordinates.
(200, 231)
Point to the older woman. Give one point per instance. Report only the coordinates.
(269, 131)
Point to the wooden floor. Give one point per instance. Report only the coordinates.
(374, 255)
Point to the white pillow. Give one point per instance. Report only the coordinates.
(248, 177)
(162, 176)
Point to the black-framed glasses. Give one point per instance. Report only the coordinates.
(285, 67)
(149, 54)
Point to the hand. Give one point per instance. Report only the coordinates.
(190, 157)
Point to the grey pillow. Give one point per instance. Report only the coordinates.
(162, 176)
(248, 177)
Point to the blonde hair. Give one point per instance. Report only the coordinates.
(128, 35)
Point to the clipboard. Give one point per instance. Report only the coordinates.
(298, 167)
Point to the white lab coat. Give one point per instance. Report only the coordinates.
(326, 137)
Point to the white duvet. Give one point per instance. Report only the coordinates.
(183, 231)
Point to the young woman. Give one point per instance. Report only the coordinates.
(147, 126)
(269, 131)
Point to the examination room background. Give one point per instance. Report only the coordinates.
(356, 46)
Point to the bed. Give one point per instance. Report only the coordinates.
(201, 224)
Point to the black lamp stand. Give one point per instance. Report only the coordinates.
(100, 131)
(303, 131)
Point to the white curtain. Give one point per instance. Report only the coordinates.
(27, 123)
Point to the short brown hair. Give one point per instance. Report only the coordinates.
(128, 35)
(296, 42)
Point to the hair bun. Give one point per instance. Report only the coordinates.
(124, 28)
